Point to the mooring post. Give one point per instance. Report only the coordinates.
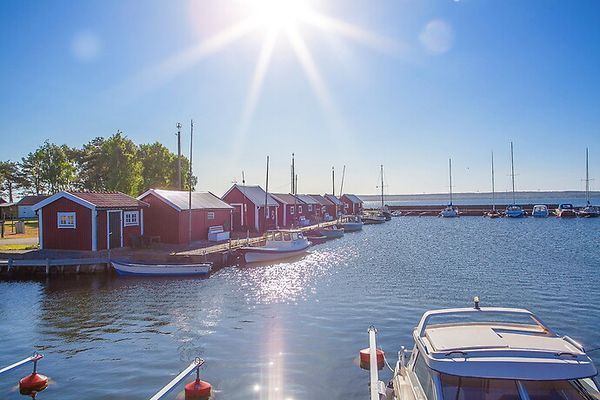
(10, 264)
(47, 266)
(77, 268)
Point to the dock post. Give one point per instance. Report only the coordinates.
(77, 269)
(10, 264)
(47, 266)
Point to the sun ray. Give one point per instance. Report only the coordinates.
(351, 31)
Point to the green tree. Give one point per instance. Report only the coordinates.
(8, 178)
(157, 164)
(50, 169)
(119, 158)
(91, 172)
(30, 173)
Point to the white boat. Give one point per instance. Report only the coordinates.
(450, 211)
(513, 211)
(540, 211)
(351, 223)
(565, 210)
(485, 353)
(139, 269)
(331, 232)
(589, 211)
(371, 219)
(493, 213)
(280, 244)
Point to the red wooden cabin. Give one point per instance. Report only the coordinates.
(337, 207)
(248, 204)
(169, 217)
(310, 208)
(324, 208)
(290, 209)
(352, 204)
(89, 220)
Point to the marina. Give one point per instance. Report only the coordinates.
(126, 331)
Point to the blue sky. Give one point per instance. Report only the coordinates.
(406, 84)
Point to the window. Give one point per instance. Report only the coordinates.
(465, 388)
(345, 206)
(210, 215)
(292, 210)
(132, 218)
(424, 375)
(310, 207)
(299, 209)
(66, 220)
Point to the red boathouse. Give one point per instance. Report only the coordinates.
(290, 209)
(352, 204)
(337, 207)
(248, 204)
(89, 220)
(168, 215)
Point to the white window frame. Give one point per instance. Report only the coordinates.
(292, 210)
(210, 215)
(66, 214)
(310, 207)
(299, 209)
(131, 222)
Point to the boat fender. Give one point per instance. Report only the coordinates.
(198, 390)
(365, 358)
(34, 382)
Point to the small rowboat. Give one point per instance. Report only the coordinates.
(279, 245)
(317, 239)
(136, 269)
(331, 232)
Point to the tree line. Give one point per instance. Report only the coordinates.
(115, 163)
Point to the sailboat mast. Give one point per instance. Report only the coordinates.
(512, 174)
(382, 205)
(587, 178)
(450, 173)
(342, 185)
(333, 181)
(190, 184)
(493, 186)
(266, 195)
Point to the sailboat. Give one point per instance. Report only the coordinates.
(450, 211)
(589, 211)
(513, 211)
(384, 209)
(494, 213)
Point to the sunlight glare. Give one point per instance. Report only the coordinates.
(280, 14)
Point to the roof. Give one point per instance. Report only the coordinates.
(93, 200)
(30, 200)
(322, 200)
(179, 200)
(334, 200)
(307, 199)
(287, 198)
(353, 198)
(510, 344)
(255, 194)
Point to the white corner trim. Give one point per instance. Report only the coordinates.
(41, 229)
(66, 195)
(94, 229)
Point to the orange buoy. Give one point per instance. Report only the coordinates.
(365, 358)
(197, 390)
(33, 383)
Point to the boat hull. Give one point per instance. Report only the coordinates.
(135, 269)
(332, 233)
(372, 221)
(264, 255)
(352, 226)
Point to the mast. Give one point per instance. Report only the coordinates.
(450, 173)
(292, 175)
(178, 156)
(333, 181)
(190, 184)
(587, 178)
(382, 205)
(493, 186)
(342, 185)
(244, 208)
(266, 196)
(512, 174)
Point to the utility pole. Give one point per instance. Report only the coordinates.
(342, 185)
(190, 184)
(266, 197)
(292, 173)
(179, 156)
(333, 181)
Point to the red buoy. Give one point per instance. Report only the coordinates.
(365, 358)
(197, 390)
(33, 383)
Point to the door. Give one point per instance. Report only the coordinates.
(114, 229)
(237, 217)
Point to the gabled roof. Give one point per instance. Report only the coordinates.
(352, 198)
(255, 194)
(322, 200)
(179, 200)
(30, 200)
(307, 199)
(287, 198)
(334, 200)
(92, 200)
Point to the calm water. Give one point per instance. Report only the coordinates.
(292, 331)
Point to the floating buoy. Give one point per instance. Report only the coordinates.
(365, 358)
(33, 383)
(197, 390)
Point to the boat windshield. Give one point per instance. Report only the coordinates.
(566, 206)
(464, 388)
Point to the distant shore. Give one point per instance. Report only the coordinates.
(520, 196)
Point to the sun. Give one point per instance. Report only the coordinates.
(280, 14)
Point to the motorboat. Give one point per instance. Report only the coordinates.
(316, 238)
(514, 211)
(450, 211)
(565, 210)
(350, 223)
(396, 213)
(331, 232)
(126, 268)
(493, 214)
(371, 219)
(484, 353)
(279, 244)
(589, 211)
(540, 211)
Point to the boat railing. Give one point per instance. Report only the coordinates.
(373, 365)
(34, 359)
(194, 366)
